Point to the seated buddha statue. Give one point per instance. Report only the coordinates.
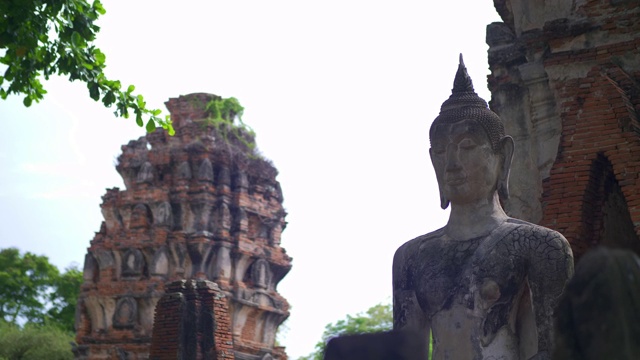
(485, 285)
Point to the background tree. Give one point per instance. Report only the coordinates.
(25, 281)
(64, 298)
(34, 343)
(33, 291)
(41, 38)
(377, 318)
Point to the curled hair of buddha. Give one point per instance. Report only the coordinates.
(465, 104)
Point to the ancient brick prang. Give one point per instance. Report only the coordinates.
(565, 79)
(198, 205)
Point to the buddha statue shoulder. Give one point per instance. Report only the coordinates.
(485, 285)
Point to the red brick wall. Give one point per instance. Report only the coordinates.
(192, 322)
(591, 61)
(167, 326)
(597, 119)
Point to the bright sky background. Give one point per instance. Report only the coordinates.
(340, 93)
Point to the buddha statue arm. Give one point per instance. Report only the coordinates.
(550, 268)
(407, 313)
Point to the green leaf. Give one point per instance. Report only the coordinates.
(151, 125)
(140, 101)
(94, 91)
(155, 112)
(97, 5)
(100, 56)
(109, 98)
(139, 120)
(27, 101)
(130, 89)
(76, 39)
(87, 66)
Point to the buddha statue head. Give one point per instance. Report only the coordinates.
(469, 150)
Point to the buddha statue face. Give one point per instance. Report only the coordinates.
(469, 150)
(467, 167)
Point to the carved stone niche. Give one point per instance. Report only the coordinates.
(261, 274)
(112, 217)
(224, 216)
(126, 313)
(265, 232)
(145, 174)
(132, 263)
(90, 272)
(163, 214)
(160, 264)
(184, 171)
(141, 217)
(240, 222)
(96, 311)
(254, 226)
(104, 258)
(205, 171)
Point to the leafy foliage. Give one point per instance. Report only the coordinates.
(33, 290)
(64, 298)
(24, 284)
(223, 113)
(375, 319)
(34, 342)
(50, 37)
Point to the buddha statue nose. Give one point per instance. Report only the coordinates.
(452, 161)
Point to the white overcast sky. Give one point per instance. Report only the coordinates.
(340, 93)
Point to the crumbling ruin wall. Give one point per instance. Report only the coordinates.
(565, 77)
(192, 322)
(198, 205)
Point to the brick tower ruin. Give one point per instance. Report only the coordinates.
(198, 205)
(565, 77)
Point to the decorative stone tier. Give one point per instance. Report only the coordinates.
(197, 205)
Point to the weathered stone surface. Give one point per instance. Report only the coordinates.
(599, 314)
(485, 284)
(564, 77)
(196, 206)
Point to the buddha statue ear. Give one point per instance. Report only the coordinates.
(506, 150)
(444, 202)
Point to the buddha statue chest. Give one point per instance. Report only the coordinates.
(476, 274)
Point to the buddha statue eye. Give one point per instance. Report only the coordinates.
(438, 150)
(467, 144)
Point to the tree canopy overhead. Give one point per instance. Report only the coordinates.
(41, 38)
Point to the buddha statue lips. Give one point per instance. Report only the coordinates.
(458, 180)
(485, 284)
